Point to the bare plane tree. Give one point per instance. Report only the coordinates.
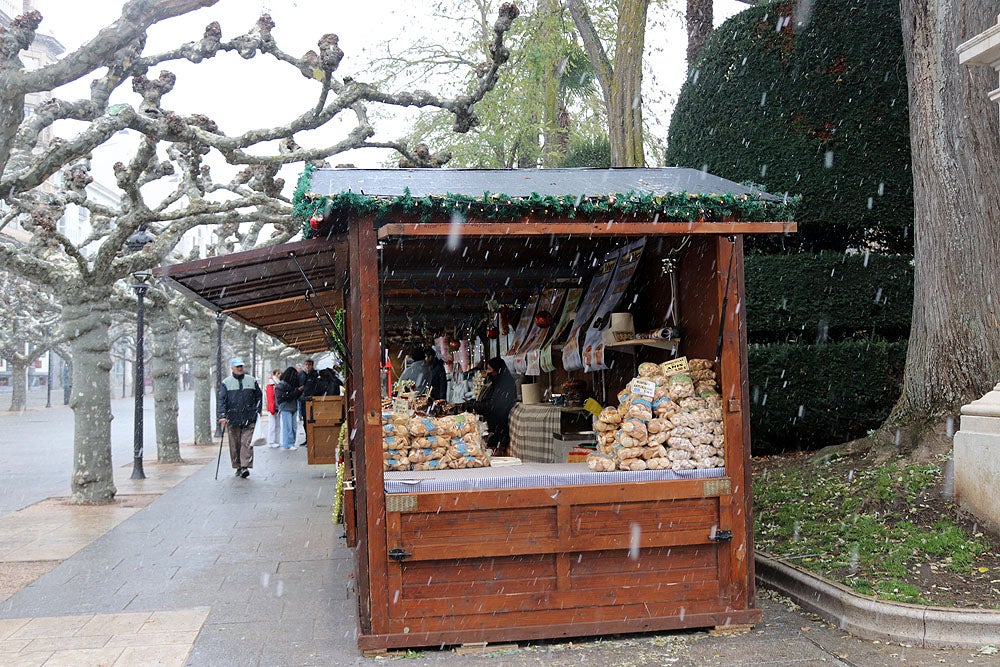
(170, 146)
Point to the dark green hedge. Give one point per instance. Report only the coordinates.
(828, 296)
(804, 397)
(817, 108)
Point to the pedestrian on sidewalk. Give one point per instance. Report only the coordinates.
(287, 395)
(239, 403)
(274, 417)
(308, 377)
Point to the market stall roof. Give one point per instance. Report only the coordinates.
(436, 271)
(265, 289)
(525, 182)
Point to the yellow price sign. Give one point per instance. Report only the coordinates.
(592, 406)
(675, 366)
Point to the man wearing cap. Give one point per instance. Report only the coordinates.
(239, 404)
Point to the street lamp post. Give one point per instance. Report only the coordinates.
(141, 285)
(48, 380)
(219, 318)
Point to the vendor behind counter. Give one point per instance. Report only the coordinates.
(495, 403)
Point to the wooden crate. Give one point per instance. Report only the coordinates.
(324, 417)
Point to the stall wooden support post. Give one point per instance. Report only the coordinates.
(733, 365)
(363, 306)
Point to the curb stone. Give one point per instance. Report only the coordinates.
(868, 618)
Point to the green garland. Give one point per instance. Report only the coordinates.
(318, 211)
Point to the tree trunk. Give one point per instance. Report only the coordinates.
(553, 147)
(699, 25)
(621, 83)
(18, 382)
(165, 363)
(203, 347)
(625, 108)
(87, 314)
(954, 348)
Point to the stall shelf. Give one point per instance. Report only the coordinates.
(574, 555)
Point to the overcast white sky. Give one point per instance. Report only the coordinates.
(241, 95)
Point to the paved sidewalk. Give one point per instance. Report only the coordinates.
(253, 572)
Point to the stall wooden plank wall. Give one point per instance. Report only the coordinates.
(501, 565)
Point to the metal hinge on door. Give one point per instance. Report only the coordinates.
(399, 554)
(722, 536)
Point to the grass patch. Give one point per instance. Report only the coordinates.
(882, 530)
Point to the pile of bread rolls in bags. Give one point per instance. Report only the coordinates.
(679, 427)
(425, 443)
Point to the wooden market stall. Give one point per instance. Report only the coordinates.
(540, 550)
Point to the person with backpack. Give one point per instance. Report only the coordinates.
(287, 393)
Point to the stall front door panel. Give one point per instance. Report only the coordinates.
(491, 559)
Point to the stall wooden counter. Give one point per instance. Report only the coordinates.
(572, 552)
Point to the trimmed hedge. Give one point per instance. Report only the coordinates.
(813, 105)
(804, 397)
(828, 296)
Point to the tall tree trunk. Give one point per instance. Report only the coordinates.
(699, 25)
(621, 82)
(18, 382)
(548, 11)
(203, 348)
(954, 348)
(87, 314)
(625, 111)
(164, 326)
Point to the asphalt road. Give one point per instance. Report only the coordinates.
(36, 446)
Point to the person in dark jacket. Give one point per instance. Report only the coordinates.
(287, 394)
(238, 406)
(437, 378)
(308, 377)
(328, 383)
(494, 404)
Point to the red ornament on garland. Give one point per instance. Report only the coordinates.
(492, 333)
(315, 221)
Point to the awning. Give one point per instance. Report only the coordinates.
(265, 288)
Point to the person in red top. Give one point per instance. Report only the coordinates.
(273, 420)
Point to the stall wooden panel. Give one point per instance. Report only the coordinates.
(475, 565)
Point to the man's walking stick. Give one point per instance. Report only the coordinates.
(219, 461)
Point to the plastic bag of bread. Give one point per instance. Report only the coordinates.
(654, 452)
(657, 425)
(636, 428)
(610, 415)
(639, 410)
(391, 428)
(675, 442)
(662, 463)
(600, 462)
(692, 403)
(634, 452)
(467, 461)
(700, 364)
(432, 464)
(703, 452)
(683, 419)
(632, 464)
(665, 407)
(396, 464)
(624, 440)
(648, 370)
(658, 438)
(395, 442)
